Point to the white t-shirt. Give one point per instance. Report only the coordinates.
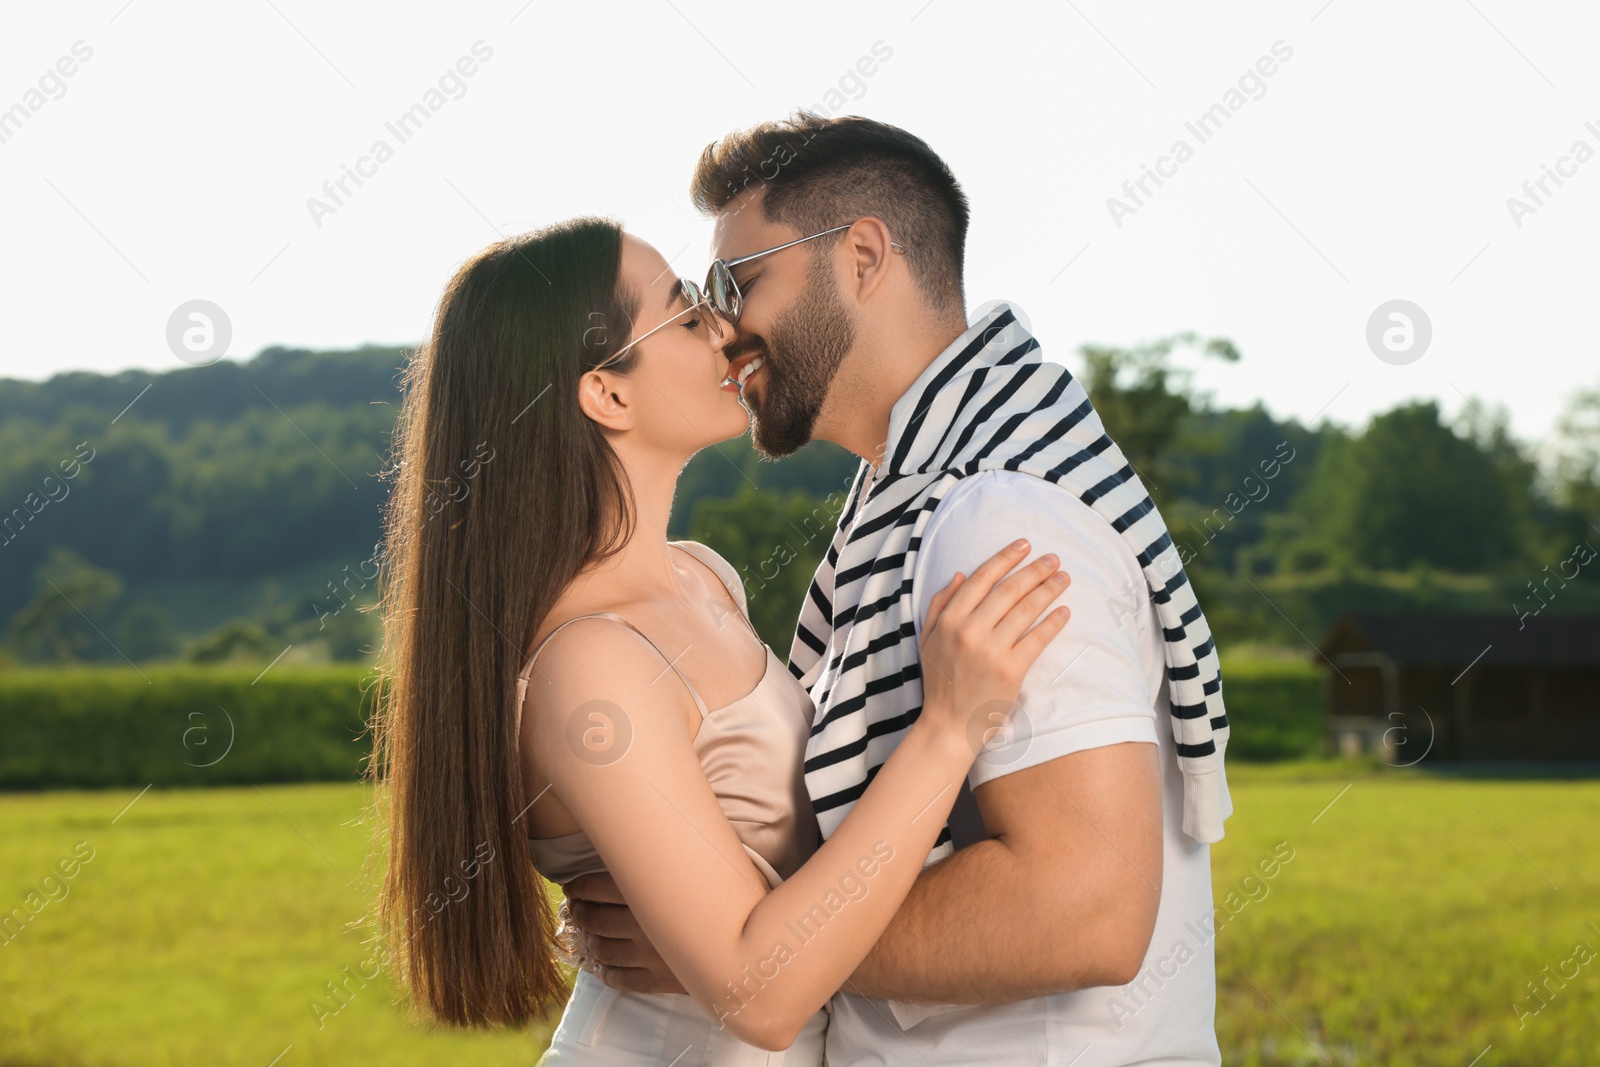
(1102, 681)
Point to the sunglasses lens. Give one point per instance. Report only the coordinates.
(696, 298)
(724, 297)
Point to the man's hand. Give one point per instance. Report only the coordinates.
(611, 937)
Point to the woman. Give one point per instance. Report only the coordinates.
(564, 689)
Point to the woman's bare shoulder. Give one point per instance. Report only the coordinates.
(593, 650)
(597, 678)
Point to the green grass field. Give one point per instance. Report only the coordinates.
(1403, 931)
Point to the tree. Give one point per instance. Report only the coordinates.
(352, 633)
(1407, 491)
(1244, 468)
(724, 470)
(1577, 460)
(236, 639)
(60, 624)
(1145, 402)
(775, 541)
(145, 633)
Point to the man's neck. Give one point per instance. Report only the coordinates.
(876, 377)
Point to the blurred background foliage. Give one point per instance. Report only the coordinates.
(231, 511)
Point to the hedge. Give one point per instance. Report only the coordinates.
(182, 725)
(96, 727)
(1274, 709)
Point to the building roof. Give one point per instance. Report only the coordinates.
(1456, 640)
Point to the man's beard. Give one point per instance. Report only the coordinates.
(805, 347)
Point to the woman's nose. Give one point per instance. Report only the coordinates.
(720, 331)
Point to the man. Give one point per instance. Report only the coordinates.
(1071, 925)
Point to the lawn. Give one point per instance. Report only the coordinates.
(1405, 929)
(202, 931)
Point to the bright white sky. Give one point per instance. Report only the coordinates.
(178, 162)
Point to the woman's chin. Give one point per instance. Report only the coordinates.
(738, 423)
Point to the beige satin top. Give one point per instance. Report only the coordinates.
(752, 751)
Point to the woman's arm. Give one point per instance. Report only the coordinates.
(762, 962)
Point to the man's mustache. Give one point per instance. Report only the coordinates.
(750, 346)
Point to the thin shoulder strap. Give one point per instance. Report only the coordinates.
(526, 673)
(718, 566)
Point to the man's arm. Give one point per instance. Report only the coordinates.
(1063, 895)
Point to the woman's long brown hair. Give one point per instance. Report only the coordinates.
(503, 491)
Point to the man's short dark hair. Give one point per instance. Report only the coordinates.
(818, 173)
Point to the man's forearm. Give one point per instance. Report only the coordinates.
(971, 933)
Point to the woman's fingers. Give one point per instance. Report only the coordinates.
(940, 599)
(977, 587)
(1049, 627)
(1006, 594)
(1026, 611)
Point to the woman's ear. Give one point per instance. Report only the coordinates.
(604, 398)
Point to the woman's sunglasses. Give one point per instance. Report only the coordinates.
(690, 294)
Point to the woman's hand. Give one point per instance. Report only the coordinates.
(976, 641)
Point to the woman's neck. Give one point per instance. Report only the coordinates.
(644, 568)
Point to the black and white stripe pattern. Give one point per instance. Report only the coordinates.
(988, 402)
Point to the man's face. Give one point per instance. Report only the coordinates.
(793, 317)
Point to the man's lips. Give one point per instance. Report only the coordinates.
(736, 367)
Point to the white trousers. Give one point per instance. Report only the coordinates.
(604, 1026)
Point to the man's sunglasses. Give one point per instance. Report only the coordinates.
(724, 292)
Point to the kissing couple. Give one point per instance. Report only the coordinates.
(956, 827)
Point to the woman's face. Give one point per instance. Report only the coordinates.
(675, 395)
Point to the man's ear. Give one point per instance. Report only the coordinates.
(603, 397)
(870, 248)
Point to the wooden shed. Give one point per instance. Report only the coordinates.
(1460, 687)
